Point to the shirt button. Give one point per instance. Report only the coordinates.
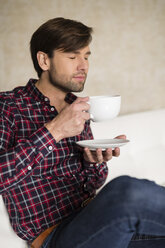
(50, 148)
(52, 109)
(46, 99)
(85, 186)
(29, 167)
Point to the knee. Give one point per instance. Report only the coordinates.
(129, 190)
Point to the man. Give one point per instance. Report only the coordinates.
(48, 183)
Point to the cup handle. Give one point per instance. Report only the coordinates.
(91, 117)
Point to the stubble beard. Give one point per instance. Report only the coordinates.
(66, 86)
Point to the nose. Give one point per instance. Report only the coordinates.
(82, 65)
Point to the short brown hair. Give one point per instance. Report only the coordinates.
(59, 33)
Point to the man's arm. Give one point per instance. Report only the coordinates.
(18, 161)
(70, 121)
(18, 158)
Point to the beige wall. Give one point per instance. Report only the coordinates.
(128, 48)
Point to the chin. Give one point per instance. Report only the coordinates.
(78, 90)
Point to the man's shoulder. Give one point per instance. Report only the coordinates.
(9, 99)
(6, 96)
(12, 95)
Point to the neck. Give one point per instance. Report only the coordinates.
(55, 95)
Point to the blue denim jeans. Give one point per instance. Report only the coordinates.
(126, 207)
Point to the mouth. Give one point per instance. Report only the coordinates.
(80, 77)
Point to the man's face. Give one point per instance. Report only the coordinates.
(68, 71)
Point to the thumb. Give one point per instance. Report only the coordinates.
(122, 136)
(82, 99)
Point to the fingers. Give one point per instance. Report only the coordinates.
(80, 104)
(107, 155)
(98, 156)
(85, 116)
(116, 152)
(89, 156)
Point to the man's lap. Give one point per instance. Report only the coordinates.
(89, 218)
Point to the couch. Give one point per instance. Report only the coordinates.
(142, 157)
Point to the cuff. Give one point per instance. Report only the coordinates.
(43, 141)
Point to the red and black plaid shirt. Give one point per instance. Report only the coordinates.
(41, 181)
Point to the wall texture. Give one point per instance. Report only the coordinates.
(128, 48)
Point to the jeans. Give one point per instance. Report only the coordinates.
(126, 207)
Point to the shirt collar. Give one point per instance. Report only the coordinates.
(38, 96)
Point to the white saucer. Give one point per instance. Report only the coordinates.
(102, 143)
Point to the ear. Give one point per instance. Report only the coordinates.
(43, 60)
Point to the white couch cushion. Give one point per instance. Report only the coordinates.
(144, 156)
(7, 236)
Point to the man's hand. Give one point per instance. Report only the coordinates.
(70, 121)
(100, 156)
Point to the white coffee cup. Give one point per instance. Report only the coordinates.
(104, 108)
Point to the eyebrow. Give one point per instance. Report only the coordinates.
(77, 52)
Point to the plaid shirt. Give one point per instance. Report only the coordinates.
(41, 181)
